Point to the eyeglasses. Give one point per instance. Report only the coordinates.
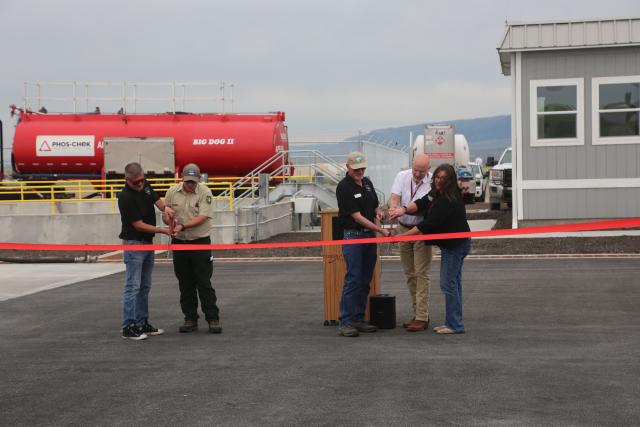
(440, 178)
(136, 182)
(359, 170)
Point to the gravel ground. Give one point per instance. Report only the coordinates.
(539, 245)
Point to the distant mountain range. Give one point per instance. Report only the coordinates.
(487, 136)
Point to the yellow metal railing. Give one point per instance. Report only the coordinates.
(88, 191)
(94, 190)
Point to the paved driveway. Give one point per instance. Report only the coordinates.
(548, 342)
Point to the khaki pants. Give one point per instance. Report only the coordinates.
(416, 261)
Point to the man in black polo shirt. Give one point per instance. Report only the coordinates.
(357, 210)
(136, 203)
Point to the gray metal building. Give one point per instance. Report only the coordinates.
(574, 121)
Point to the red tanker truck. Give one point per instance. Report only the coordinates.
(90, 146)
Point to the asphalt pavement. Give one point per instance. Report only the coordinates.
(548, 342)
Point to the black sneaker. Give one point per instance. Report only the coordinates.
(365, 327)
(150, 330)
(348, 331)
(132, 332)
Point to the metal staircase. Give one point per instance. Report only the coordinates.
(320, 180)
(326, 173)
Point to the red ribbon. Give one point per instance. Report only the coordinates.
(560, 228)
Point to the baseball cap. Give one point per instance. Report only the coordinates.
(356, 160)
(191, 172)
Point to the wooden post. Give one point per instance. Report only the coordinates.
(333, 269)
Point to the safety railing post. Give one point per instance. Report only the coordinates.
(230, 195)
(283, 166)
(113, 203)
(53, 199)
(22, 191)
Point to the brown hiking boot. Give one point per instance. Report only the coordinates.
(189, 326)
(214, 327)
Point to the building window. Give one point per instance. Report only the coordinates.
(557, 113)
(616, 110)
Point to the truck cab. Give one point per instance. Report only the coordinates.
(500, 181)
(467, 183)
(481, 180)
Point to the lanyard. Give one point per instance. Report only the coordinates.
(413, 192)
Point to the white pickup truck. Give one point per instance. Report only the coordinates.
(500, 181)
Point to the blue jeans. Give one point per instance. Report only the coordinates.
(135, 298)
(451, 283)
(360, 261)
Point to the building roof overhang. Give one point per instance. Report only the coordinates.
(563, 35)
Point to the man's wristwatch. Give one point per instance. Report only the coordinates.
(183, 227)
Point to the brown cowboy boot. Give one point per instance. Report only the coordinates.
(418, 325)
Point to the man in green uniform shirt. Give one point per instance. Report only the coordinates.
(193, 206)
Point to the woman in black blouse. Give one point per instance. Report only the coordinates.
(445, 213)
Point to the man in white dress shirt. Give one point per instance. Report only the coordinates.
(408, 186)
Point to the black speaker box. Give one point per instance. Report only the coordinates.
(337, 232)
(382, 311)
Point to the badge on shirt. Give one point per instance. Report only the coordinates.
(208, 200)
(357, 195)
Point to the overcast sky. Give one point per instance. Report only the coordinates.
(334, 66)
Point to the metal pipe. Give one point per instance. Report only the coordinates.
(232, 85)
(410, 147)
(75, 101)
(173, 97)
(184, 95)
(222, 96)
(124, 97)
(59, 175)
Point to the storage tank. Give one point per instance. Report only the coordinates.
(442, 145)
(72, 145)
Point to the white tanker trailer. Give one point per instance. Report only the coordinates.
(443, 145)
